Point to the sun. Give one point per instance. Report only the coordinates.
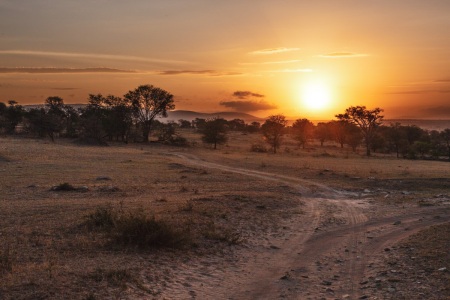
(315, 95)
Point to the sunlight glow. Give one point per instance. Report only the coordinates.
(315, 95)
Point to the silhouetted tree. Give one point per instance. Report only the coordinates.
(253, 127)
(322, 132)
(413, 133)
(445, 136)
(198, 123)
(340, 131)
(214, 131)
(10, 116)
(273, 130)
(367, 121)
(184, 123)
(236, 124)
(303, 130)
(148, 102)
(396, 137)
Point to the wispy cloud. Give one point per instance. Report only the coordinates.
(419, 92)
(273, 51)
(273, 62)
(198, 72)
(442, 81)
(343, 55)
(248, 106)
(246, 94)
(62, 70)
(91, 56)
(65, 89)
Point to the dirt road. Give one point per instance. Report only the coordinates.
(324, 253)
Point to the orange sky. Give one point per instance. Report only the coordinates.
(257, 57)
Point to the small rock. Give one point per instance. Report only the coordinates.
(346, 296)
(83, 188)
(406, 193)
(32, 186)
(397, 223)
(364, 297)
(364, 282)
(103, 178)
(387, 249)
(285, 276)
(442, 269)
(326, 282)
(367, 191)
(274, 247)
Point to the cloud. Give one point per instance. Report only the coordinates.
(247, 106)
(62, 70)
(273, 62)
(246, 94)
(442, 81)
(419, 92)
(198, 72)
(92, 56)
(343, 55)
(64, 89)
(436, 111)
(273, 51)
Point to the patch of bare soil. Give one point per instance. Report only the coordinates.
(416, 268)
(272, 232)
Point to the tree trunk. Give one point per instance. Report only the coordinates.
(368, 149)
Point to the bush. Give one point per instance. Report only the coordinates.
(67, 187)
(258, 148)
(135, 228)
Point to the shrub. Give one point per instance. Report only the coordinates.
(139, 230)
(258, 148)
(135, 228)
(63, 187)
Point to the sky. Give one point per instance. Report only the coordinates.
(308, 59)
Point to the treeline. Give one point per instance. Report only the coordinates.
(131, 118)
(104, 118)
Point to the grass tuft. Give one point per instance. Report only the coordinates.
(66, 187)
(135, 228)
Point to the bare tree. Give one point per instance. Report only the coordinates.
(367, 121)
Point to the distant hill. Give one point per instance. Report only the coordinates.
(424, 124)
(227, 115)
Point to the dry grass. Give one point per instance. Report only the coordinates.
(47, 253)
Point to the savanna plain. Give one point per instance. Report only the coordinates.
(150, 221)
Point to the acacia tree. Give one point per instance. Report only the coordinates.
(445, 135)
(149, 102)
(273, 130)
(214, 131)
(10, 116)
(367, 120)
(322, 132)
(303, 130)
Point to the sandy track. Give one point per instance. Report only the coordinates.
(324, 254)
